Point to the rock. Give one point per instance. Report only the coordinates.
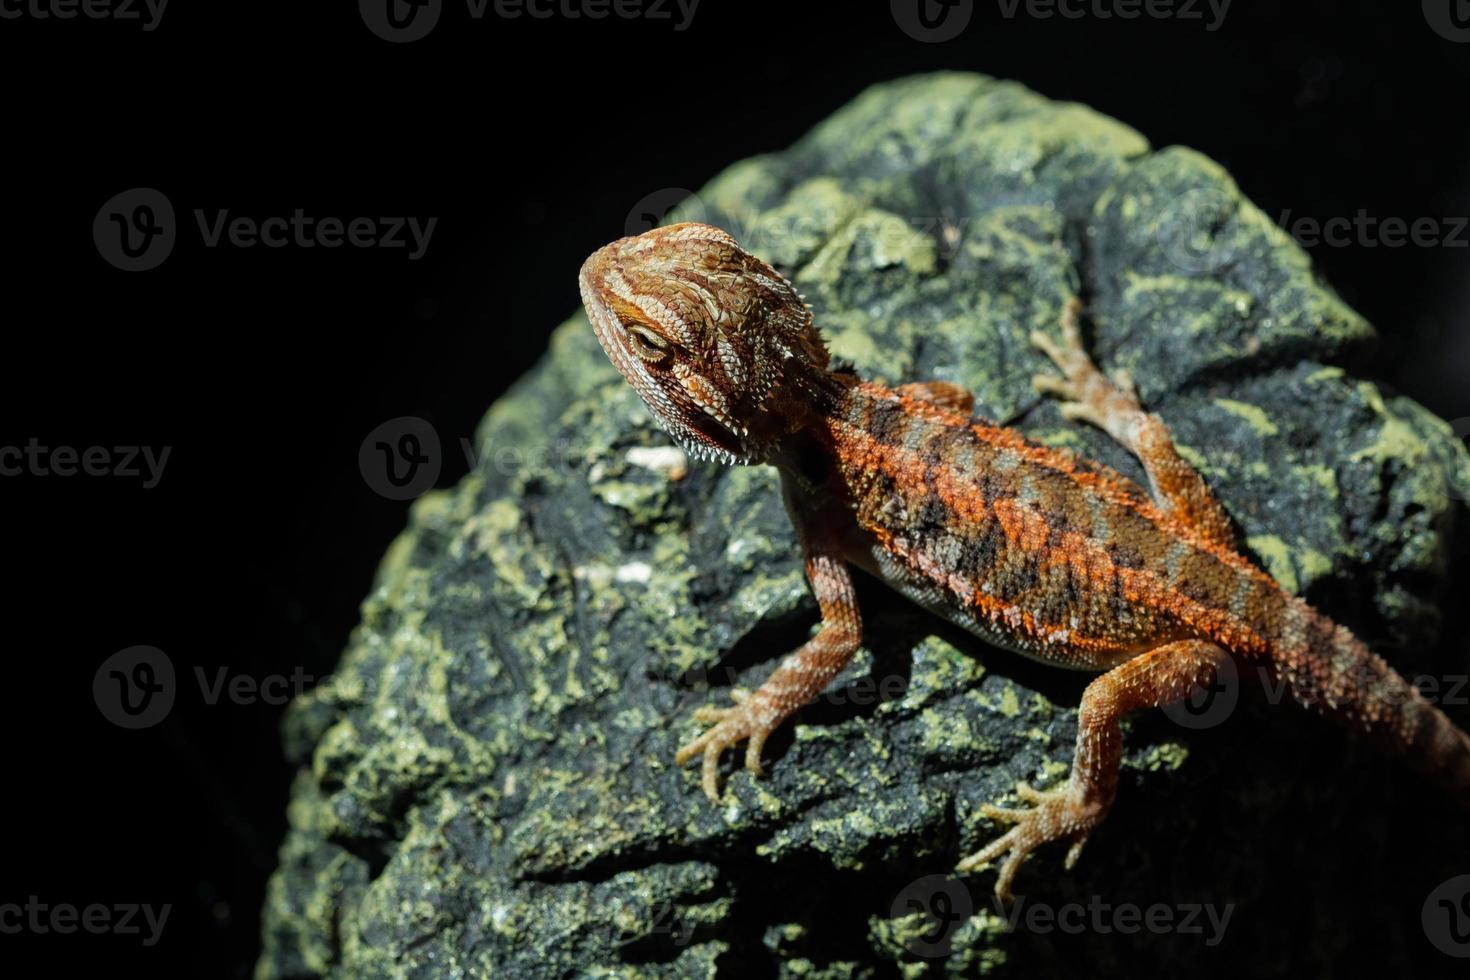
(486, 784)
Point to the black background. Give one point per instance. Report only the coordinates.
(529, 140)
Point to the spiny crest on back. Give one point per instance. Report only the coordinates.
(720, 346)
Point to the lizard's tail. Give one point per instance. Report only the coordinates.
(1330, 671)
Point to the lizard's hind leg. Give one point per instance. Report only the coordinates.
(1161, 676)
(1112, 405)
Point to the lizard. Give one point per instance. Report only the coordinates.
(1034, 549)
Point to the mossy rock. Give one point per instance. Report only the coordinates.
(486, 784)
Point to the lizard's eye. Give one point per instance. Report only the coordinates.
(647, 344)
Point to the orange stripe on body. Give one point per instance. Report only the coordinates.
(1027, 530)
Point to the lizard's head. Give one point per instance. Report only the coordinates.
(720, 347)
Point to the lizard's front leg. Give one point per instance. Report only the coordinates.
(1163, 675)
(799, 679)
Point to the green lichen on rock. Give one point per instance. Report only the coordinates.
(486, 786)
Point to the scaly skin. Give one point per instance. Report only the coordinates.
(1031, 548)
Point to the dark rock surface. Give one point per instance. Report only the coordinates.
(486, 785)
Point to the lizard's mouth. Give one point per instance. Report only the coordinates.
(705, 438)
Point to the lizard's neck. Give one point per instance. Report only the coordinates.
(830, 392)
(808, 408)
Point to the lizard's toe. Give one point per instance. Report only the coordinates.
(1078, 371)
(1048, 346)
(689, 750)
(1083, 412)
(708, 747)
(730, 727)
(710, 771)
(1071, 332)
(753, 746)
(1052, 815)
(1051, 384)
(710, 715)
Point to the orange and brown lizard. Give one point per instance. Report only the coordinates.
(1031, 548)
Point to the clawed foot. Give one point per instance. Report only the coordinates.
(1087, 395)
(1053, 815)
(743, 722)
